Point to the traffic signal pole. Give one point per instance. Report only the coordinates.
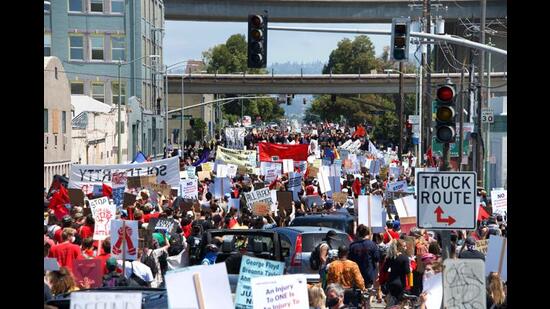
(401, 110)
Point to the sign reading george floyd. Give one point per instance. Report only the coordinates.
(446, 200)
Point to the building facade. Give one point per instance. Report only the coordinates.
(205, 112)
(96, 38)
(57, 117)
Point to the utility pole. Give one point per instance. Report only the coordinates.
(427, 106)
(401, 109)
(488, 139)
(461, 118)
(471, 103)
(481, 102)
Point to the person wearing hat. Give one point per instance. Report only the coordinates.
(113, 278)
(66, 222)
(471, 252)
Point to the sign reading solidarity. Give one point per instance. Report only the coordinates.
(124, 231)
(446, 200)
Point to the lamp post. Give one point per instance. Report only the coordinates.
(119, 129)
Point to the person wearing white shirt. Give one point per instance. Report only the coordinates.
(136, 267)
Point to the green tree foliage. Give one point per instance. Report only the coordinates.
(198, 129)
(230, 57)
(267, 109)
(352, 57)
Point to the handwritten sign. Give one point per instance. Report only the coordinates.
(124, 232)
(260, 209)
(98, 202)
(464, 283)
(140, 181)
(103, 299)
(164, 189)
(252, 267)
(207, 167)
(499, 201)
(287, 291)
(262, 195)
(103, 215)
(482, 245)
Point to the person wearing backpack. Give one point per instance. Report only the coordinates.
(322, 255)
(138, 271)
(155, 256)
(113, 278)
(194, 244)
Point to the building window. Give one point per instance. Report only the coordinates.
(76, 45)
(118, 48)
(98, 91)
(77, 88)
(75, 6)
(96, 43)
(117, 123)
(45, 120)
(47, 44)
(117, 6)
(63, 122)
(114, 91)
(96, 6)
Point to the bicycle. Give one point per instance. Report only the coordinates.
(362, 299)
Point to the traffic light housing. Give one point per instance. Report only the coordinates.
(257, 41)
(445, 128)
(400, 33)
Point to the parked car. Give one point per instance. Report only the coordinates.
(341, 222)
(298, 242)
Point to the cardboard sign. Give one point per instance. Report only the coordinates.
(312, 170)
(261, 209)
(252, 267)
(106, 300)
(164, 189)
(76, 196)
(482, 245)
(189, 189)
(284, 199)
(464, 283)
(287, 291)
(88, 273)
(140, 181)
(496, 259)
(203, 175)
(127, 232)
(369, 210)
(262, 195)
(203, 286)
(129, 199)
(340, 197)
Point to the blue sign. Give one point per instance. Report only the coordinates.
(250, 268)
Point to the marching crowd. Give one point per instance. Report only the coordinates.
(390, 265)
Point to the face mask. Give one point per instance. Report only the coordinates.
(428, 274)
(72, 239)
(331, 302)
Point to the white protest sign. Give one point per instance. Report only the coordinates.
(221, 170)
(265, 166)
(274, 200)
(499, 201)
(446, 200)
(98, 202)
(103, 216)
(232, 170)
(406, 206)
(261, 195)
(252, 267)
(220, 187)
(369, 210)
(119, 234)
(398, 186)
(272, 174)
(126, 300)
(287, 291)
(188, 189)
(191, 172)
(295, 184)
(288, 165)
(324, 184)
(202, 286)
(433, 287)
(496, 259)
(88, 175)
(464, 283)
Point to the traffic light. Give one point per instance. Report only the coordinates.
(400, 39)
(445, 128)
(257, 41)
(288, 99)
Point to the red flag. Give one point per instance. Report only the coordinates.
(58, 201)
(272, 185)
(482, 214)
(429, 153)
(359, 132)
(107, 191)
(277, 152)
(356, 187)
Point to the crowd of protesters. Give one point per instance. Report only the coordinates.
(378, 262)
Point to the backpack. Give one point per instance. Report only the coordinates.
(149, 260)
(315, 257)
(194, 249)
(111, 280)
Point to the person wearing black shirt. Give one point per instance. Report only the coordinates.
(471, 252)
(398, 266)
(366, 254)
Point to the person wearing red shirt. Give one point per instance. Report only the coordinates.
(87, 248)
(66, 252)
(105, 254)
(87, 230)
(390, 233)
(66, 222)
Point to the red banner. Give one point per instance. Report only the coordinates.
(277, 152)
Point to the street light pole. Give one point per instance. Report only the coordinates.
(166, 109)
(182, 134)
(119, 149)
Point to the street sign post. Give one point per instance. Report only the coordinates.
(487, 115)
(446, 200)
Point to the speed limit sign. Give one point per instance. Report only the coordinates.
(487, 116)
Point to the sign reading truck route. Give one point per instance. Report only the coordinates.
(446, 200)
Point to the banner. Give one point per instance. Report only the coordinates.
(287, 291)
(278, 152)
(234, 137)
(188, 189)
(104, 299)
(262, 195)
(124, 232)
(252, 267)
(369, 210)
(166, 170)
(104, 213)
(295, 185)
(242, 158)
(88, 273)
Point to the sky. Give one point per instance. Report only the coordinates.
(187, 40)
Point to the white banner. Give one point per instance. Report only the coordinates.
(369, 210)
(261, 195)
(188, 189)
(119, 234)
(103, 216)
(234, 137)
(287, 291)
(104, 299)
(166, 170)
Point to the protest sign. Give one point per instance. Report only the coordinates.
(221, 170)
(191, 172)
(395, 171)
(324, 183)
(164, 189)
(272, 174)
(312, 170)
(220, 187)
(50, 264)
(124, 231)
(340, 197)
(141, 181)
(76, 196)
(265, 167)
(288, 165)
(207, 167)
(375, 166)
(98, 202)
(126, 300)
(314, 199)
(398, 186)
(205, 286)
(204, 175)
(103, 214)
(231, 170)
(499, 201)
(406, 206)
(234, 137)
(496, 259)
(433, 287)
(369, 210)
(464, 283)
(252, 267)
(284, 199)
(294, 184)
(287, 291)
(261, 209)
(482, 245)
(335, 170)
(166, 224)
(274, 200)
(88, 273)
(188, 189)
(166, 170)
(262, 195)
(244, 159)
(118, 196)
(129, 199)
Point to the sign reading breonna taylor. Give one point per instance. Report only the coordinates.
(166, 170)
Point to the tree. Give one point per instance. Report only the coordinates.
(198, 129)
(267, 109)
(350, 57)
(230, 57)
